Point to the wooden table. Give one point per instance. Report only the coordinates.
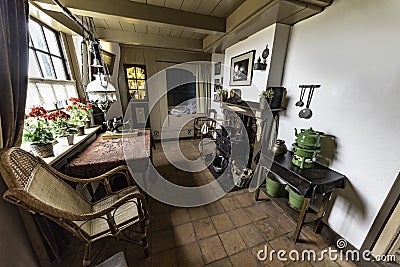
(105, 154)
(309, 183)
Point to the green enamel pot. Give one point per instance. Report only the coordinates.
(295, 200)
(274, 188)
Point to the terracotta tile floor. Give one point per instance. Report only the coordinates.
(228, 232)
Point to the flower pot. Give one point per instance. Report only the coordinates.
(87, 124)
(264, 103)
(295, 200)
(274, 188)
(66, 140)
(223, 97)
(42, 150)
(81, 130)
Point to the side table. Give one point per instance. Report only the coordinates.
(309, 183)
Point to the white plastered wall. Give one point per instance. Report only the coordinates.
(258, 42)
(352, 50)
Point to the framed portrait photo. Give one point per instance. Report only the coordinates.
(242, 69)
(217, 68)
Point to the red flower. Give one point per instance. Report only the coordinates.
(38, 112)
(88, 105)
(75, 100)
(58, 114)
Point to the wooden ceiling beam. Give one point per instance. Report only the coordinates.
(135, 12)
(144, 39)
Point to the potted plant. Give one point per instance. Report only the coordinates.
(266, 98)
(79, 111)
(38, 132)
(61, 127)
(223, 95)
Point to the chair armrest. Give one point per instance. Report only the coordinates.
(24, 199)
(196, 120)
(120, 169)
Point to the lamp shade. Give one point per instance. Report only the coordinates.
(101, 92)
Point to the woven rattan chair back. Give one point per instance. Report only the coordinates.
(21, 164)
(38, 187)
(41, 184)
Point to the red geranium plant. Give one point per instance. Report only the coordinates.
(60, 123)
(37, 129)
(79, 110)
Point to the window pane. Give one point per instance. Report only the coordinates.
(45, 64)
(37, 35)
(140, 73)
(132, 84)
(52, 42)
(33, 65)
(130, 73)
(140, 95)
(61, 94)
(141, 84)
(32, 98)
(71, 91)
(48, 97)
(59, 67)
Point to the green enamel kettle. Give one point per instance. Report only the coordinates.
(308, 138)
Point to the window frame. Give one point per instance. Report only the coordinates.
(137, 90)
(62, 57)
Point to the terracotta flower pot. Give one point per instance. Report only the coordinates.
(81, 130)
(66, 140)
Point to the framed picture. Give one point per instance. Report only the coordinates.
(109, 60)
(217, 68)
(242, 69)
(216, 85)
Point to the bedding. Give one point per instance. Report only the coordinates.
(187, 107)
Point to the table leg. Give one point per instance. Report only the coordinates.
(301, 218)
(321, 211)
(257, 195)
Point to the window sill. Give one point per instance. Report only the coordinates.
(38, 79)
(63, 154)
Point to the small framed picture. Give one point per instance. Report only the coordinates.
(217, 68)
(216, 85)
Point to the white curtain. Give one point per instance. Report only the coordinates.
(203, 87)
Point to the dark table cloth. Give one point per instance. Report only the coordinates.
(105, 154)
(318, 179)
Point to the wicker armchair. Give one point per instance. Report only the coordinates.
(36, 186)
(209, 122)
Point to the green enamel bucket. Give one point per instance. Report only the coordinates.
(274, 188)
(295, 200)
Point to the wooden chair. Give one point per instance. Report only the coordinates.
(209, 121)
(38, 187)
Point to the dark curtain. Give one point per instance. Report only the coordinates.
(13, 70)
